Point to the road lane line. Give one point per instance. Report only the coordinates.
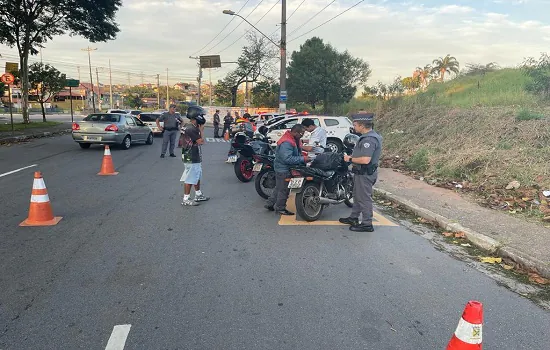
(16, 170)
(118, 337)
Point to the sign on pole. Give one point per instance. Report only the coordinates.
(212, 61)
(11, 67)
(282, 96)
(71, 83)
(7, 78)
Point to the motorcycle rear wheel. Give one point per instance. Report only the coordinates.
(265, 176)
(307, 202)
(243, 169)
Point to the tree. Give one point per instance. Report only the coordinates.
(411, 83)
(481, 69)
(47, 81)
(396, 88)
(266, 94)
(28, 25)
(444, 65)
(424, 74)
(223, 92)
(134, 101)
(318, 73)
(539, 72)
(254, 63)
(370, 91)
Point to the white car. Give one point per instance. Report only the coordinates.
(336, 127)
(151, 120)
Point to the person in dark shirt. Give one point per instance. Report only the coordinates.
(227, 121)
(217, 124)
(192, 156)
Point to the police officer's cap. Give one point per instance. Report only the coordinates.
(363, 116)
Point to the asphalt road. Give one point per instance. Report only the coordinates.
(224, 275)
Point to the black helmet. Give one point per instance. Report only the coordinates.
(197, 113)
(350, 140)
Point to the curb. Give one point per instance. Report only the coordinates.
(11, 139)
(478, 239)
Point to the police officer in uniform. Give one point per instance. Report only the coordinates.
(365, 158)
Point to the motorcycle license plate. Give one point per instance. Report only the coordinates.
(296, 182)
(257, 167)
(232, 159)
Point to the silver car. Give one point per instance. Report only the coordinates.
(111, 128)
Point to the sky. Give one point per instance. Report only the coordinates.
(393, 36)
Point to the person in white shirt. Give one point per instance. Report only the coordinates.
(317, 138)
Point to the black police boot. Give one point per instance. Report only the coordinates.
(362, 228)
(349, 221)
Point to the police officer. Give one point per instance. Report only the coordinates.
(365, 158)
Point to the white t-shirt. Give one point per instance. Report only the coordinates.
(318, 135)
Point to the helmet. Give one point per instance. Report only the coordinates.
(197, 113)
(350, 140)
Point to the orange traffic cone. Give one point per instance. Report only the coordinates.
(107, 167)
(468, 334)
(226, 135)
(40, 210)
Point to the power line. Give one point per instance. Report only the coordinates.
(221, 31)
(309, 20)
(322, 24)
(296, 9)
(240, 23)
(233, 43)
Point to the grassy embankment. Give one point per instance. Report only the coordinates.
(6, 127)
(480, 131)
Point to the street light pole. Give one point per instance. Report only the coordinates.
(282, 48)
(89, 49)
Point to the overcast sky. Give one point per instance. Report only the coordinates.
(392, 36)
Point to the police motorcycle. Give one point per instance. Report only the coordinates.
(326, 180)
(250, 152)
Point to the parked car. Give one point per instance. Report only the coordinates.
(151, 120)
(111, 128)
(337, 128)
(118, 111)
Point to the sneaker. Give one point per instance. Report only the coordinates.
(189, 202)
(173, 155)
(349, 221)
(162, 155)
(269, 207)
(362, 228)
(201, 198)
(284, 212)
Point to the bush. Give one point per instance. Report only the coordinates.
(525, 114)
(419, 161)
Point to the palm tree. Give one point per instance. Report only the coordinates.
(423, 74)
(445, 64)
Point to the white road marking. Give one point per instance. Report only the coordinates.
(118, 337)
(211, 139)
(16, 170)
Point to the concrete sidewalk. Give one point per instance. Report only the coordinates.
(30, 133)
(527, 244)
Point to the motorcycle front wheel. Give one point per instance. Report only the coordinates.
(349, 194)
(308, 205)
(243, 169)
(265, 183)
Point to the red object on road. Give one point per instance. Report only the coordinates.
(468, 333)
(107, 166)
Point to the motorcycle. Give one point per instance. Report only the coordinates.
(265, 179)
(246, 149)
(316, 189)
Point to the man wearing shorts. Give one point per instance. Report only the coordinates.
(192, 157)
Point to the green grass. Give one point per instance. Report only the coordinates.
(33, 125)
(525, 114)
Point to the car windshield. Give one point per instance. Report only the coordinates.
(148, 117)
(106, 118)
(273, 120)
(135, 112)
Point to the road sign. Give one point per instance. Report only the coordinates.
(7, 78)
(72, 83)
(11, 67)
(213, 61)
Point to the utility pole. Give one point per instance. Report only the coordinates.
(89, 49)
(282, 78)
(200, 83)
(158, 91)
(110, 86)
(98, 90)
(81, 97)
(167, 90)
(246, 94)
(210, 79)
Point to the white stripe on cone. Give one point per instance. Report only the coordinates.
(40, 198)
(107, 151)
(39, 184)
(468, 332)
